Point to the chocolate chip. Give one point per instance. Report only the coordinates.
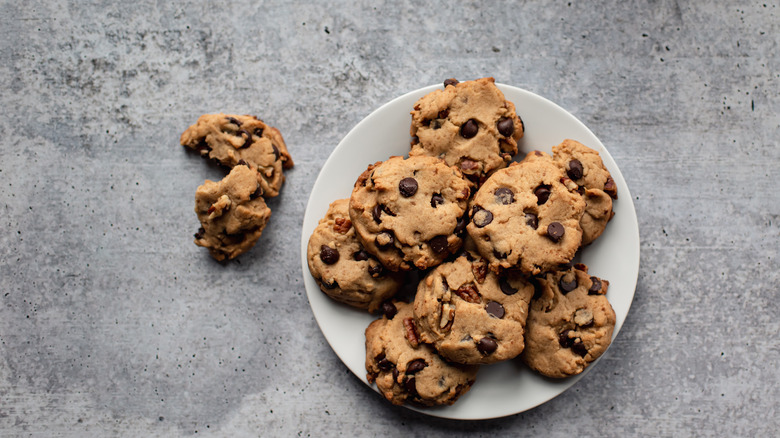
(389, 310)
(499, 255)
(410, 386)
(444, 113)
(504, 196)
(542, 194)
(566, 285)
(384, 240)
(436, 200)
(506, 288)
(595, 287)
(482, 217)
(395, 374)
(506, 126)
(438, 244)
(234, 121)
(415, 366)
(376, 270)
(532, 220)
(495, 309)
(579, 348)
(257, 193)
(377, 213)
(276, 152)
(461, 225)
(469, 129)
(610, 188)
(243, 133)
(330, 285)
(487, 345)
(555, 231)
(384, 364)
(450, 81)
(361, 255)
(328, 255)
(407, 187)
(258, 132)
(201, 232)
(564, 340)
(537, 289)
(575, 169)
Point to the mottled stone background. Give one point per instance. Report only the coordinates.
(113, 323)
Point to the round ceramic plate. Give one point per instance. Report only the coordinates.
(508, 387)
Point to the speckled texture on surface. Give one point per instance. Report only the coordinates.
(112, 322)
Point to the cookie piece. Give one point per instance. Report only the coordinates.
(584, 167)
(344, 270)
(405, 369)
(570, 325)
(469, 125)
(233, 139)
(472, 315)
(409, 212)
(525, 216)
(232, 214)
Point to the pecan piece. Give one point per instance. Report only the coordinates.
(468, 292)
(342, 225)
(447, 315)
(479, 269)
(411, 332)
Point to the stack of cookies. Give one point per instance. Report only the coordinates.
(233, 212)
(491, 239)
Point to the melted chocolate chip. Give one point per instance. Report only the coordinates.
(389, 309)
(234, 121)
(376, 270)
(487, 345)
(504, 196)
(461, 225)
(499, 255)
(415, 366)
(555, 231)
(436, 200)
(567, 286)
(482, 217)
(579, 348)
(257, 193)
(575, 169)
(201, 232)
(506, 126)
(595, 287)
(377, 212)
(384, 240)
(564, 340)
(542, 194)
(360, 256)
(469, 129)
(450, 81)
(384, 364)
(276, 152)
(495, 309)
(258, 132)
(407, 187)
(532, 220)
(506, 288)
(410, 386)
(438, 244)
(330, 285)
(328, 255)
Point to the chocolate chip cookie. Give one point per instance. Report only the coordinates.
(584, 167)
(409, 212)
(232, 214)
(344, 270)
(470, 314)
(527, 216)
(233, 139)
(468, 124)
(405, 369)
(570, 324)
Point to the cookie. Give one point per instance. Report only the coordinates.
(233, 139)
(526, 216)
(470, 314)
(405, 369)
(469, 125)
(570, 324)
(232, 214)
(409, 212)
(584, 167)
(344, 270)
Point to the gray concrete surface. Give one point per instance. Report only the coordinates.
(113, 323)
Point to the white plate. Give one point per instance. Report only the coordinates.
(505, 388)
